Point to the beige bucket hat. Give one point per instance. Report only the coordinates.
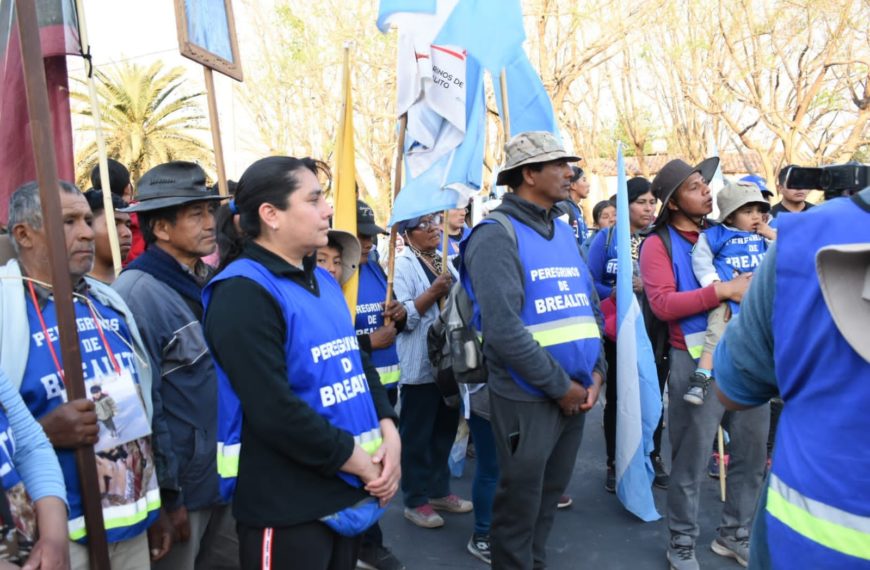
(532, 147)
(734, 195)
(844, 277)
(350, 252)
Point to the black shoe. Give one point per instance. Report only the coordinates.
(661, 478)
(372, 557)
(697, 392)
(610, 481)
(478, 546)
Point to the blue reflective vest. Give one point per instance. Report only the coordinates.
(557, 310)
(694, 327)
(323, 366)
(818, 499)
(370, 317)
(611, 264)
(134, 505)
(735, 252)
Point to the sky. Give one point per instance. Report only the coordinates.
(142, 31)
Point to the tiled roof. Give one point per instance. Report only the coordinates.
(732, 163)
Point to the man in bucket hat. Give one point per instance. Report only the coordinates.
(537, 310)
(163, 288)
(676, 297)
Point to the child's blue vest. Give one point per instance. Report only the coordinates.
(370, 317)
(323, 366)
(610, 265)
(694, 327)
(818, 499)
(735, 252)
(557, 310)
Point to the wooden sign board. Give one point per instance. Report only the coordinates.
(207, 35)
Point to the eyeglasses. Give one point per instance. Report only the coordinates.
(432, 222)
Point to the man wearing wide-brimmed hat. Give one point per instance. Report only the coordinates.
(163, 287)
(537, 310)
(677, 298)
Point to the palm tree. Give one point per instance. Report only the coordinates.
(147, 120)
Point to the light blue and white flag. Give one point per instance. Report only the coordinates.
(639, 402)
(454, 178)
(491, 30)
(389, 8)
(528, 102)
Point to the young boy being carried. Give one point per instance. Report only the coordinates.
(737, 245)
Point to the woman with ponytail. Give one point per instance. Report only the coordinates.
(307, 448)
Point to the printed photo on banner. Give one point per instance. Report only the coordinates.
(125, 473)
(207, 35)
(18, 524)
(120, 411)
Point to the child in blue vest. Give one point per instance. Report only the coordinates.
(737, 245)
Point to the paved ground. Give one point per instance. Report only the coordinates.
(596, 532)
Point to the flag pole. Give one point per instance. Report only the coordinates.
(102, 158)
(397, 187)
(214, 124)
(723, 467)
(506, 119)
(445, 240)
(42, 140)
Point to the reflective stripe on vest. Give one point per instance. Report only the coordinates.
(389, 374)
(829, 526)
(119, 516)
(564, 330)
(695, 344)
(370, 441)
(228, 459)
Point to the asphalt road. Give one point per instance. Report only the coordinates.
(595, 533)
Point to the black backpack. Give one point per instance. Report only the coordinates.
(455, 348)
(657, 329)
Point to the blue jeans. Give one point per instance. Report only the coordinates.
(485, 474)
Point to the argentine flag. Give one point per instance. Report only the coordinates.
(639, 402)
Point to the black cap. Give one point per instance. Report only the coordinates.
(365, 220)
(172, 184)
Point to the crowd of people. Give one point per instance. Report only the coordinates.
(244, 416)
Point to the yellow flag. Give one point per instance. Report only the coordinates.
(345, 179)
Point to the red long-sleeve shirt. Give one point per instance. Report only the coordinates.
(660, 286)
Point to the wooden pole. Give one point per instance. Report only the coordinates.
(445, 241)
(214, 124)
(103, 161)
(505, 108)
(49, 195)
(397, 187)
(723, 467)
